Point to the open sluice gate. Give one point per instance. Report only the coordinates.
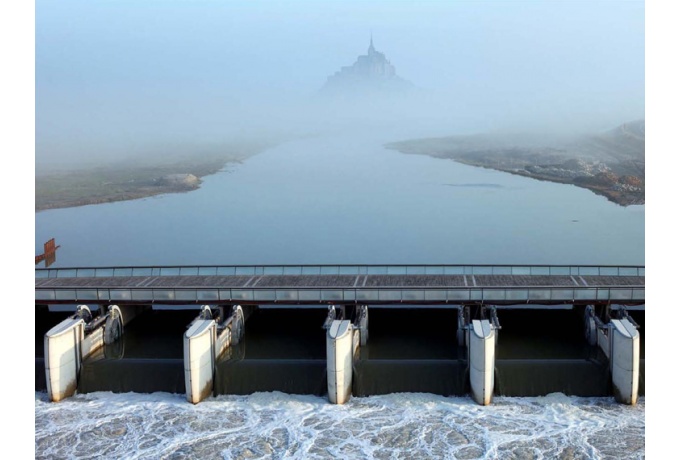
(76, 338)
(591, 351)
(619, 339)
(205, 341)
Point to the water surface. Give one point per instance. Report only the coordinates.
(347, 199)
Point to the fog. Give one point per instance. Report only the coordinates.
(116, 79)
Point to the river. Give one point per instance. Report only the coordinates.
(348, 200)
(336, 200)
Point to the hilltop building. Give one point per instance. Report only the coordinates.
(371, 71)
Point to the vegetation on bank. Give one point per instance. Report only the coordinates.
(129, 180)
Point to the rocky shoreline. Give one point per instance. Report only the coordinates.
(611, 164)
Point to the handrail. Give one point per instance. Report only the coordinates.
(356, 288)
(367, 269)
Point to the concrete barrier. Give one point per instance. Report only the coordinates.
(625, 361)
(339, 358)
(204, 342)
(619, 340)
(481, 356)
(63, 358)
(199, 359)
(66, 345)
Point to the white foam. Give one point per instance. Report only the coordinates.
(266, 425)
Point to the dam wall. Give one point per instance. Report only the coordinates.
(537, 352)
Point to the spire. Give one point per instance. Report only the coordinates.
(371, 50)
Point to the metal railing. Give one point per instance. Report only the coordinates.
(516, 295)
(254, 270)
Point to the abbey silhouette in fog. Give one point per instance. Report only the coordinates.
(371, 72)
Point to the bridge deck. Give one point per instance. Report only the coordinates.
(340, 281)
(93, 287)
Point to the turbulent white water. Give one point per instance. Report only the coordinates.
(277, 425)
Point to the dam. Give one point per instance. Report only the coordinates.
(477, 330)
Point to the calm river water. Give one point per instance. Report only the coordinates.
(342, 200)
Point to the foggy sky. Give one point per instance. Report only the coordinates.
(115, 77)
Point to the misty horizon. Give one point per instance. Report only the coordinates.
(115, 79)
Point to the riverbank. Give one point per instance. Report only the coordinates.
(610, 189)
(610, 164)
(133, 179)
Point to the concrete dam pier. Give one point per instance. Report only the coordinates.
(342, 331)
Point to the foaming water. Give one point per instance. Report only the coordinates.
(278, 425)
